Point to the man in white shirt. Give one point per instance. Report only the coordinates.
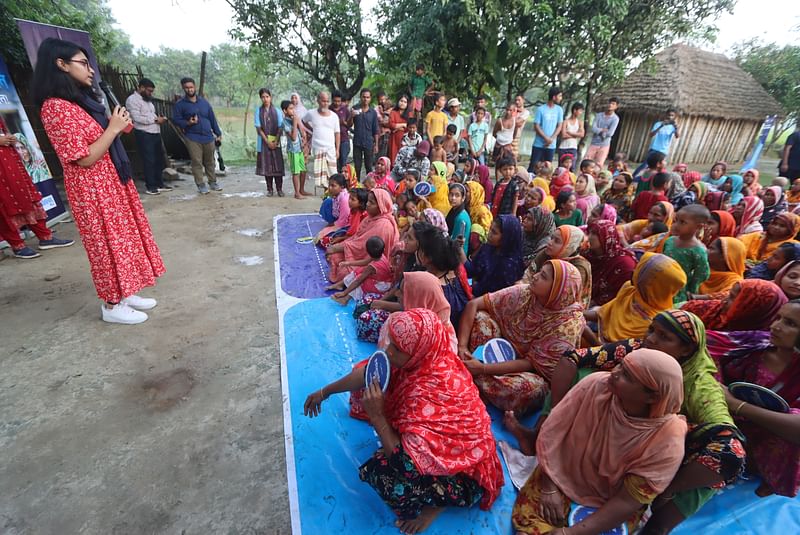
(325, 135)
(147, 130)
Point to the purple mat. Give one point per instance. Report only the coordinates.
(303, 267)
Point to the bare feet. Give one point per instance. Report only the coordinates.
(764, 490)
(299, 196)
(342, 300)
(306, 194)
(526, 437)
(421, 523)
(338, 286)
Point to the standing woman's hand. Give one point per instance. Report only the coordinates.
(7, 141)
(119, 120)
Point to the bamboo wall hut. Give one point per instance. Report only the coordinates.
(720, 107)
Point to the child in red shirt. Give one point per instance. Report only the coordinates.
(645, 200)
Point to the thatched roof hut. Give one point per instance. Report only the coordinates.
(720, 107)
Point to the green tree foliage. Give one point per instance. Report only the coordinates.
(778, 70)
(513, 45)
(322, 38)
(93, 16)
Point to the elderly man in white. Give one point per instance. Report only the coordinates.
(324, 127)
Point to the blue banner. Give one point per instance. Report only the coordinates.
(752, 161)
(18, 125)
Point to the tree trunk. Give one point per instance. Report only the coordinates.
(202, 75)
(586, 122)
(246, 112)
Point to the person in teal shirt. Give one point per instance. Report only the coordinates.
(458, 222)
(547, 124)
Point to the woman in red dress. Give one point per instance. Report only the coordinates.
(123, 255)
(21, 202)
(398, 124)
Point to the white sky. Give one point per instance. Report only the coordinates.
(198, 24)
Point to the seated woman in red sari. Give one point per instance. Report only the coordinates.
(438, 449)
(773, 438)
(614, 442)
(612, 264)
(542, 320)
(751, 304)
(379, 222)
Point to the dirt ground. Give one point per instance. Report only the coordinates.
(172, 426)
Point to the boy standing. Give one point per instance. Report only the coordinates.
(477, 132)
(547, 125)
(294, 149)
(438, 153)
(436, 120)
(419, 86)
(603, 128)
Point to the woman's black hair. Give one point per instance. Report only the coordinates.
(406, 111)
(790, 252)
(339, 179)
(444, 253)
(450, 219)
(796, 342)
(51, 82)
(362, 194)
(563, 197)
(263, 91)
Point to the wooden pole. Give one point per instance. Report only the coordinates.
(202, 75)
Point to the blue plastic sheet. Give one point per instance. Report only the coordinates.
(323, 454)
(321, 346)
(303, 268)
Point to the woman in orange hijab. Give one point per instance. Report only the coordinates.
(726, 259)
(614, 443)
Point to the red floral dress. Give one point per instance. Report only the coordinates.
(123, 255)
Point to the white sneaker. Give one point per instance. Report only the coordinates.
(140, 303)
(122, 313)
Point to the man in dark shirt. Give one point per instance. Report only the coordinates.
(194, 115)
(345, 122)
(366, 131)
(790, 162)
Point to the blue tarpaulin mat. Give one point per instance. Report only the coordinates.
(319, 345)
(303, 268)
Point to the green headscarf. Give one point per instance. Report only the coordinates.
(703, 399)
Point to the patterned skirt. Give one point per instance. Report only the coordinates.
(406, 491)
(519, 392)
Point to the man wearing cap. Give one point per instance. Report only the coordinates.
(454, 117)
(412, 158)
(147, 130)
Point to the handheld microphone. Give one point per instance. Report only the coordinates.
(113, 102)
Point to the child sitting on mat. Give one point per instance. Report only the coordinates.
(335, 209)
(375, 278)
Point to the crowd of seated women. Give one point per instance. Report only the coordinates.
(631, 302)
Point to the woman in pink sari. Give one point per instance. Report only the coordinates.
(383, 175)
(770, 360)
(379, 222)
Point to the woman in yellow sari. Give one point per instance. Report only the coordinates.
(661, 211)
(479, 213)
(656, 280)
(782, 229)
(726, 257)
